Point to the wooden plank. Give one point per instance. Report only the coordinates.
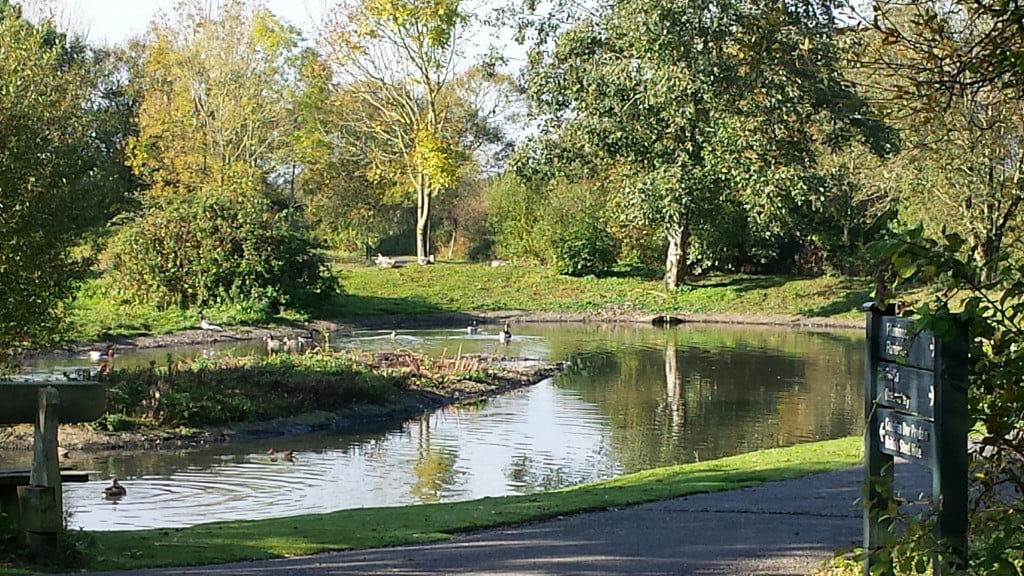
(79, 401)
(24, 479)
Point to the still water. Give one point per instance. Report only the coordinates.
(631, 398)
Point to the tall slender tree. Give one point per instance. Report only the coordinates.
(397, 60)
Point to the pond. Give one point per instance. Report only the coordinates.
(631, 397)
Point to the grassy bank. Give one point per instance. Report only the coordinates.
(376, 527)
(186, 402)
(450, 287)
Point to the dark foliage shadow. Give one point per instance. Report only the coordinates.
(742, 283)
(849, 300)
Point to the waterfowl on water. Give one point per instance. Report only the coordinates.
(472, 328)
(287, 455)
(115, 490)
(394, 334)
(505, 336)
(104, 354)
(207, 325)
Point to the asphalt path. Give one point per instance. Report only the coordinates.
(780, 528)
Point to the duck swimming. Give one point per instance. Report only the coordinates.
(472, 328)
(505, 336)
(287, 455)
(115, 491)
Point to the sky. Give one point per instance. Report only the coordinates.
(113, 21)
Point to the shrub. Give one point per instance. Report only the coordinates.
(585, 248)
(988, 299)
(214, 249)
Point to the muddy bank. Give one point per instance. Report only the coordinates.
(355, 418)
(458, 319)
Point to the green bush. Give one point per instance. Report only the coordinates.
(215, 248)
(517, 215)
(585, 248)
(205, 392)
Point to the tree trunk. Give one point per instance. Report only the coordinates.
(989, 244)
(674, 261)
(455, 236)
(422, 220)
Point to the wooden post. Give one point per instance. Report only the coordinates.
(878, 466)
(42, 502)
(950, 476)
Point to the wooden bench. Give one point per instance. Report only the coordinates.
(31, 498)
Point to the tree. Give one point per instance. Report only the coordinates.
(215, 146)
(963, 123)
(692, 106)
(217, 98)
(57, 171)
(398, 60)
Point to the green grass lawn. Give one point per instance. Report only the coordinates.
(417, 289)
(464, 287)
(389, 526)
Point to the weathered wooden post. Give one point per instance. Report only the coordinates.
(916, 408)
(42, 501)
(33, 500)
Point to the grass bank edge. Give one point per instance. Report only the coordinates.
(391, 526)
(463, 287)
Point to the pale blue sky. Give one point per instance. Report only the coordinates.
(113, 21)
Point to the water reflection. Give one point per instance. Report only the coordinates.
(631, 398)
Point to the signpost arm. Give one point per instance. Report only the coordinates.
(949, 479)
(878, 466)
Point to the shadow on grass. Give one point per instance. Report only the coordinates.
(348, 305)
(845, 298)
(742, 283)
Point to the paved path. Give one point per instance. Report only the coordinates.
(780, 528)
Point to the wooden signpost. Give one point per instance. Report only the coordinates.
(916, 409)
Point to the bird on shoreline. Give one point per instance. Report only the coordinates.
(505, 336)
(104, 354)
(205, 324)
(115, 491)
(273, 344)
(294, 346)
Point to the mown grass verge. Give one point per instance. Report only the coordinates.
(417, 289)
(390, 526)
(462, 287)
